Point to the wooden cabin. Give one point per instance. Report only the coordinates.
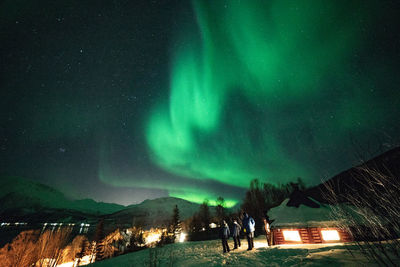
(305, 224)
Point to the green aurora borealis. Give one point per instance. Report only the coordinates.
(259, 73)
(128, 100)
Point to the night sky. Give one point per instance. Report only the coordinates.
(122, 101)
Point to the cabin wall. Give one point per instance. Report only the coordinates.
(308, 235)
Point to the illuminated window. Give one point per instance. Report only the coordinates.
(330, 235)
(291, 235)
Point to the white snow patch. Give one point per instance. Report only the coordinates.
(302, 216)
(209, 253)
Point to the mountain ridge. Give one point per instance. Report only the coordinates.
(21, 193)
(345, 182)
(23, 199)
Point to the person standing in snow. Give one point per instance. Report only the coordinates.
(268, 232)
(224, 233)
(249, 228)
(236, 234)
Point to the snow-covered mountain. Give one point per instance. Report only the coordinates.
(22, 198)
(154, 212)
(27, 200)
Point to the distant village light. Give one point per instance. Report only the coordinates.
(213, 225)
(182, 237)
(330, 235)
(291, 235)
(152, 237)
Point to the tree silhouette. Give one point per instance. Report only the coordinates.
(176, 223)
(261, 197)
(98, 239)
(220, 209)
(204, 214)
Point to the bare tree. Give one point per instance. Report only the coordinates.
(50, 246)
(111, 244)
(75, 250)
(369, 209)
(22, 251)
(31, 249)
(98, 241)
(85, 245)
(204, 214)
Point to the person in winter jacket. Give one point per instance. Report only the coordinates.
(249, 228)
(225, 233)
(267, 228)
(236, 234)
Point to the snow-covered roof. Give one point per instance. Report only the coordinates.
(303, 216)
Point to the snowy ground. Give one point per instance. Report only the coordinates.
(209, 253)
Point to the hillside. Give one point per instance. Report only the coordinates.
(346, 182)
(21, 198)
(27, 200)
(154, 212)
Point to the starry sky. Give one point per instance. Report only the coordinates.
(122, 101)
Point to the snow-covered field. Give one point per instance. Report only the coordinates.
(209, 253)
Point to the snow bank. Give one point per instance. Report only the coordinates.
(209, 253)
(305, 216)
(302, 216)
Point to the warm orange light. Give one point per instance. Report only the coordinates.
(330, 235)
(152, 237)
(291, 235)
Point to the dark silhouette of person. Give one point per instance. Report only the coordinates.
(236, 234)
(225, 233)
